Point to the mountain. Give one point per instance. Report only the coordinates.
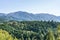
(25, 16)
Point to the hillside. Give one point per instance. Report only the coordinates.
(28, 30)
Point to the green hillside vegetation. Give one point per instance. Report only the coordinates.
(4, 35)
(29, 30)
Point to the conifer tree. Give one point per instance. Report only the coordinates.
(50, 35)
(58, 32)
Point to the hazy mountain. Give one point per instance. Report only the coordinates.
(24, 16)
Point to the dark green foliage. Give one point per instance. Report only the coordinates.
(29, 30)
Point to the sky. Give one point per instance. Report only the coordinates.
(31, 6)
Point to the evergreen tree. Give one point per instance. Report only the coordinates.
(58, 32)
(50, 35)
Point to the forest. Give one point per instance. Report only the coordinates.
(29, 30)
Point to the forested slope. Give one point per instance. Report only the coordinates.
(30, 30)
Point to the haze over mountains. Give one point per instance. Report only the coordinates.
(25, 16)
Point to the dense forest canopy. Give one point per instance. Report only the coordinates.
(30, 30)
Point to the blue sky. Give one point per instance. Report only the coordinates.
(31, 6)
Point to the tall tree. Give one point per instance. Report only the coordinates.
(58, 32)
(50, 35)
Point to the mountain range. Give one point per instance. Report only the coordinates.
(25, 16)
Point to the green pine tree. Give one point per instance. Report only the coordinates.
(50, 35)
(58, 32)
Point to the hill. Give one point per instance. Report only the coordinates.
(25, 16)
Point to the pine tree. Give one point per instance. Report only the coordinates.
(58, 32)
(50, 35)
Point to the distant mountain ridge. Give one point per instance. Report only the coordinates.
(25, 16)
